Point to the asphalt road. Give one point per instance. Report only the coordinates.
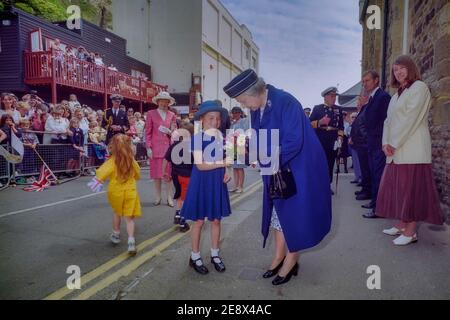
(42, 234)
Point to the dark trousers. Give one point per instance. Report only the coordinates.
(331, 160)
(327, 140)
(377, 162)
(366, 176)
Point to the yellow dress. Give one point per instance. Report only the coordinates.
(123, 196)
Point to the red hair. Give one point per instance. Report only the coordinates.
(123, 155)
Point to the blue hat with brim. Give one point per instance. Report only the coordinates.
(241, 83)
(210, 106)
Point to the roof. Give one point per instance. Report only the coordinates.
(350, 104)
(353, 91)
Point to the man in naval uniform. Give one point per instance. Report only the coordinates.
(328, 121)
(115, 121)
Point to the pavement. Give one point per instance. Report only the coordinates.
(42, 234)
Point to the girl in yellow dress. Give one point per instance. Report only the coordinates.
(122, 170)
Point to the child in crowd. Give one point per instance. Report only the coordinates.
(30, 142)
(181, 171)
(132, 131)
(97, 136)
(24, 109)
(122, 171)
(8, 126)
(77, 141)
(207, 194)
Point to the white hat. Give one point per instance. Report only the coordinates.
(163, 95)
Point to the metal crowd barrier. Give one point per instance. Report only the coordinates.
(63, 160)
(5, 171)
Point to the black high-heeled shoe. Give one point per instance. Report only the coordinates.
(280, 280)
(271, 273)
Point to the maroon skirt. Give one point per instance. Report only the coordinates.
(408, 193)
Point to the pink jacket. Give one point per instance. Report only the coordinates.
(156, 140)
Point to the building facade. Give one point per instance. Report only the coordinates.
(23, 67)
(421, 29)
(193, 45)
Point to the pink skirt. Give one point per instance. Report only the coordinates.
(156, 171)
(408, 193)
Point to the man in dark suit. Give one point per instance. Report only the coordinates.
(358, 141)
(375, 115)
(115, 120)
(328, 121)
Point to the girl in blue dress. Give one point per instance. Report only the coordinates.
(207, 196)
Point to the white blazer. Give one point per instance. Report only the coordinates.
(406, 126)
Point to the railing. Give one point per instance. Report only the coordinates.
(48, 66)
(5, 170)
(62, 160)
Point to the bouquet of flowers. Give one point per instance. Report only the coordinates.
(236, 147)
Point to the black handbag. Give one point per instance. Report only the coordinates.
(282, 185)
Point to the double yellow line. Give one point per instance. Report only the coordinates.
(134, 262)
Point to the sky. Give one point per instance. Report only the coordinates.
(305, 46)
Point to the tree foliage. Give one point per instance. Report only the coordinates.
(95, 11)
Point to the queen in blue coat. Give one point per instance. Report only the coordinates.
(302, 221)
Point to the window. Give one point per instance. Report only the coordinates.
(247, 51)
(138, 74)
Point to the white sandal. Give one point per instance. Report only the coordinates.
(404, 240)
(393, 231)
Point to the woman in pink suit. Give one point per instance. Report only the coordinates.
(159, 126)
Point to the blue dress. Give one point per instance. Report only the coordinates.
(207, 194)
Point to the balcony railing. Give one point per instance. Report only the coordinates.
(50, 67)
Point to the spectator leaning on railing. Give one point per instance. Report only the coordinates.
(57, 127)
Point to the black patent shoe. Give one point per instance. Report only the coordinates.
(280, 280)
(184, 227)
(271, 273)
(220, 267)
(200, 269)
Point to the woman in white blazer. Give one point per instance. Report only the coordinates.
(408, 192)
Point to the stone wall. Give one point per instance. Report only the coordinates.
(372, 44)
(394, 38)
(430, 46)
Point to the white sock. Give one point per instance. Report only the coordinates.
(215, 255)
(195, 256)
(117, 233)
(131, 240)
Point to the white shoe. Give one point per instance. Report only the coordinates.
(132, 248)
(170, 203)
(239, 191)
(393, 231)
(404, 240)
(115, 238)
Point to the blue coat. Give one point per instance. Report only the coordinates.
(306, 217)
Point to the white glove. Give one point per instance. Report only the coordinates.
(337, 144)
(149, 153)
(164, 130)
(95, 185)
